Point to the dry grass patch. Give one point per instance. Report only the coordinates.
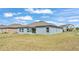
(63, 41)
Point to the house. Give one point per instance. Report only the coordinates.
(2, 28)
(68, 27)
(10, 28)
(40, 27)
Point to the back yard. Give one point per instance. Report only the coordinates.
(67, 41)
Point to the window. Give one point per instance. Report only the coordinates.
(27, 29)
(47, 29)
(33, 30)
(21, 29)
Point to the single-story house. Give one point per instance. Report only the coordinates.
(9, 29)
(40, 27)
(67, 27)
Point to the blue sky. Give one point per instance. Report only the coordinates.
(56, 16)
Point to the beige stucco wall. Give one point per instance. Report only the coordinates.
(9, 30)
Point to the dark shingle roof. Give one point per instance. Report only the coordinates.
(35, 24)
(14, 25)
(66, 25)
(2, 26)
(41, 23)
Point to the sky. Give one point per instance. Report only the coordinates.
(58, 16)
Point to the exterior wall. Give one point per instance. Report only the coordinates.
(41, 30)
(7, 30)
(52, 30)
(1, 30)
(55, 30)
(25, 31)
(10, 30)
(65, 29)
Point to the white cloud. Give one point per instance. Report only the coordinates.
(20, 22)
(73, 20)
(72, 10)
(17, 13)
(24, 18)
(69, 12)
(73, 17)
(61, 19)
(37, 20)
(45, 16)
(8, 14)
(38, 11)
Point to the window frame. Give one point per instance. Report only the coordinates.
(21, 29)
(47, 29)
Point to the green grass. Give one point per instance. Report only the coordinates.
(68, 41)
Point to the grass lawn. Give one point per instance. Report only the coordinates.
(68, 41)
